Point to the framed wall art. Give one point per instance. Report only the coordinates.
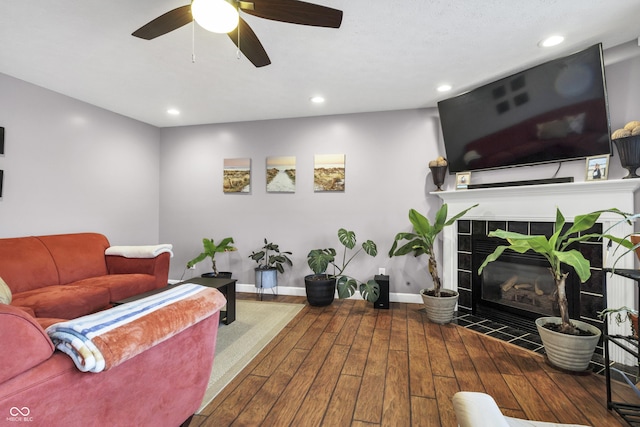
(597, 167)
(328, 172)
(1, 140)
(281, 174)
(237, 176)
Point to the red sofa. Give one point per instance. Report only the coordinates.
(161, 386)
(68, 275)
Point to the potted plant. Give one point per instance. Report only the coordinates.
(621, 315)
(210, 250)
(271, 261)
(320, 286)
(439, 303)
(569, 344)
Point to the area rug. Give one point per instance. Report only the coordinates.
(257, 323)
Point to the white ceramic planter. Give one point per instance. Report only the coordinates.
(439, 309)
(570, 352)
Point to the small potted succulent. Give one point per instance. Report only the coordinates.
(271, 261)
(321, 286)
(210, 251)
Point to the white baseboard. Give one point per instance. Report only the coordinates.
(300, 292)
(288, 290)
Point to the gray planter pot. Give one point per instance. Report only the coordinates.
(569, 352)
(266, 279)
(440, 309)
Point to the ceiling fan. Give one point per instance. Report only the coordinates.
(291, 11)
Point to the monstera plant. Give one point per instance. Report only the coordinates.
(320, 260)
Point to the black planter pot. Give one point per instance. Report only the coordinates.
(221, 274)
(629, 151)
(320, 289)
(438, 174)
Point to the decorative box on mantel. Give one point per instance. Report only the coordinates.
(538, 203)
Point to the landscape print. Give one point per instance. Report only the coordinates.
(237, 176)
(281, 174)
(328, 172)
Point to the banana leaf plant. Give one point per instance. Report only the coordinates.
(423, 238)
(319, 261)
(560, 251)
(211, 249)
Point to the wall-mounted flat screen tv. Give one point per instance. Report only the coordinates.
(552, 112)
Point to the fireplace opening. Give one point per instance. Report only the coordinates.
(517, 288)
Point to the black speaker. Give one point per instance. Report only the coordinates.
(383, 299)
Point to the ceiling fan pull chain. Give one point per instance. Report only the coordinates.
(193, 42)
(238, 52)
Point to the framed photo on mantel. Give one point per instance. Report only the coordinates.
(463, 179)
(597, 167)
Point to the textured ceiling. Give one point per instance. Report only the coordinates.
(388, 55)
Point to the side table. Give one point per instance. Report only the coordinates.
(225, 285)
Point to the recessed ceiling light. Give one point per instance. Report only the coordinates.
(317, 99)
(173, 111)
(444, 88)
(551, 41)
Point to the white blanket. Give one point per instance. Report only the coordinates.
(148, 251)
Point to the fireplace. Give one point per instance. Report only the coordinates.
(500, 207)
(518, 288)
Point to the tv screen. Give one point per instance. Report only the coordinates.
(552, 112)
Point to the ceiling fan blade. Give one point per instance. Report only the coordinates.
(294, 12)
(166, 23)
(250, 46)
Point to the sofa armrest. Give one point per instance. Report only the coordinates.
(24, 343)
(477, 409)
(157, 267)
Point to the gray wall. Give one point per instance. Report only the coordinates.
(386, 174)
(387, 171)
(72, 167)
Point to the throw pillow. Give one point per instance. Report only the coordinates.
(5, 292)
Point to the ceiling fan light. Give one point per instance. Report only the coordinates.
(217, 16)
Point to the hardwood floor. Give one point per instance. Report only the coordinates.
(350, 364)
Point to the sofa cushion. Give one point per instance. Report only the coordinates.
(77, 256)
(24, 343)
(64, 301)
(121, 286)
(25, 264)
(5, 292)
